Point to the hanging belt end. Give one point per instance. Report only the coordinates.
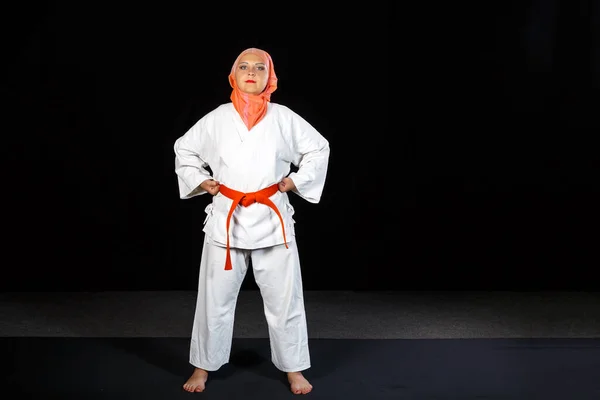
(228, 266)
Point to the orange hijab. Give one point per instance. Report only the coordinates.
(253, 108)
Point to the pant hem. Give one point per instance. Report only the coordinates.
(299, 369)
(204, 367)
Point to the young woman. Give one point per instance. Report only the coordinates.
(241, 153)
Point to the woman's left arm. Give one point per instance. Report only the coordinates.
(311, 156)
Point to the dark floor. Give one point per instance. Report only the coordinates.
(379, 345)
(131, 368)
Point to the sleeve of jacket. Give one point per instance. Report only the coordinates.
(311, 156)
(190, 165)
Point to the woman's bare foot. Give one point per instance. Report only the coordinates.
(298, 383)
(197, 381)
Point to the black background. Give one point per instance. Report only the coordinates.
(463, 140)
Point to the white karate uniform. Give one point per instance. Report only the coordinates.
(248, 161)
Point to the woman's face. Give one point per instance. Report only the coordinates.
(251, 74)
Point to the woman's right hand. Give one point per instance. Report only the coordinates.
(211, 186)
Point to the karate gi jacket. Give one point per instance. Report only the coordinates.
(248, 161)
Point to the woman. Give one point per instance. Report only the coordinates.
(241, 153)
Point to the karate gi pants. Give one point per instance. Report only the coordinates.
(277, 273)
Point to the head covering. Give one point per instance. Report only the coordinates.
(253, 108)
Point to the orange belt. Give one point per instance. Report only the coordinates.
(245, 199)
